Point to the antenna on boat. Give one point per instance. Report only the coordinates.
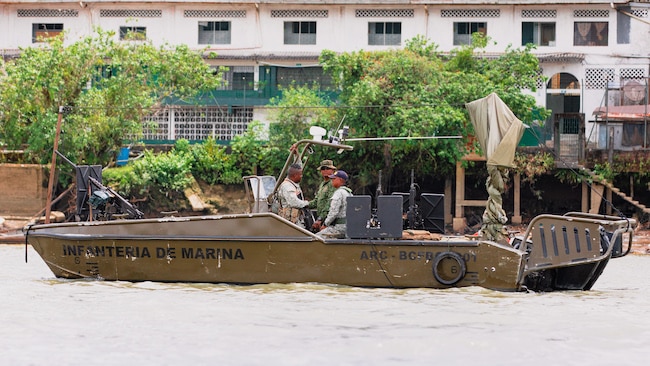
(339, 135)
(412, 207)
(332, 137)
(379, 190)
(402, 138)
(374, 220)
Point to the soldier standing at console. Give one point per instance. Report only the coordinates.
(324, 194)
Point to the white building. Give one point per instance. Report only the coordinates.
(582, 45)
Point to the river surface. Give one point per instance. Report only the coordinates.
(48, 321)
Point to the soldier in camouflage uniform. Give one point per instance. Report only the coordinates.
(324, 194)
(335, 225)
(290, 195)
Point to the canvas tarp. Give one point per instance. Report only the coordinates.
(497, 129)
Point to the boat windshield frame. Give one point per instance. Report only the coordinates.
(296, 153)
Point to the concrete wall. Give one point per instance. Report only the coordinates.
(23, 189)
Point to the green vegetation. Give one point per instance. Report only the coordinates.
(106, 87)
(418, 92)
(109, 87)
(171, 172)
(531, 166)
(159, 178)
(211, 162)
(292, 115)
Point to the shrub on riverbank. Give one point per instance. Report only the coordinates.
(163, 177)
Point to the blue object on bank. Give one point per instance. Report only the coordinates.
(123, 156)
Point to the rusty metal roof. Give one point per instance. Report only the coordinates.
(559, 57)
(261, 55)
(562, 57)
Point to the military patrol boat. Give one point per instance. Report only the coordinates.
(556, 252)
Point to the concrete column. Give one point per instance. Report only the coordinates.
(459, 222)
(608, 208)
(448, 194)
(596, 197)
(584, 204)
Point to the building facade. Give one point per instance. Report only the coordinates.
(584, 47)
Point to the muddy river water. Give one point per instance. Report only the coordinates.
(48, 321)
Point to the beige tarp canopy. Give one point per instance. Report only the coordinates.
(497, 129)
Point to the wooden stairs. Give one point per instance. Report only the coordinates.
(618, 192)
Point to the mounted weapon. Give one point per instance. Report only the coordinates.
(411, 215)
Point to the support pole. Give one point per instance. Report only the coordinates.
(459, 222)
(597, 191)
(516, 217)
(584, 206)
(50, 183)
(608, 207)
(449, 185)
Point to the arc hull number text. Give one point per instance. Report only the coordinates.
(409, 255)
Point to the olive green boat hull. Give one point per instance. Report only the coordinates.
(264, 248)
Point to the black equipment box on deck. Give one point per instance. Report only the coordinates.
(386, 223)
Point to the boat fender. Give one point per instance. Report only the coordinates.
(458, 272)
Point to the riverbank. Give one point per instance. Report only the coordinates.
(641, 242)
(11, 229)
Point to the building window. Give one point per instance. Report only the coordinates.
(590, 33)
(133, 33)
(463, 31)
(236, 77)
(303, 76)
(42, 31)
(299, 32)
(380, 34)
(214, 32)
(540, 34)
(243, 81)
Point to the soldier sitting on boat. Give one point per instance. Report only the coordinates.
(290, 195)
(334, 225)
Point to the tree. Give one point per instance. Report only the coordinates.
(107, 87)
(416, 91)
(299, 108)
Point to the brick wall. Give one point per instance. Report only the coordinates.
(23, 189)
